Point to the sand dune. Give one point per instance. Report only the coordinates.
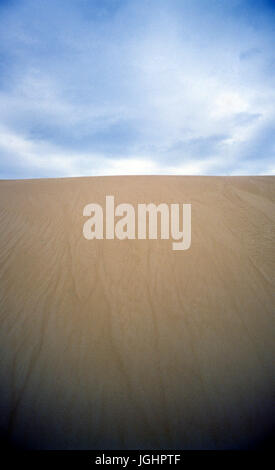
(128, 344)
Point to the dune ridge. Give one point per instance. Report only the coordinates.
(127, 344)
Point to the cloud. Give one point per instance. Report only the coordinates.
(89, 87)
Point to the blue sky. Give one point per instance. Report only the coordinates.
(102, 87)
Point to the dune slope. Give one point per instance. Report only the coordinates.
(129, 344)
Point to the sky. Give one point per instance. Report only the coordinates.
(106, 87)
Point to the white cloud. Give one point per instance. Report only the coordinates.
(169, 89)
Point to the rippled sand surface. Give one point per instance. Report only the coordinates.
(129, 344)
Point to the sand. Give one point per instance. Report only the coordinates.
(127, 344)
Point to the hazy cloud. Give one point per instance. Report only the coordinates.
(117, 87)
